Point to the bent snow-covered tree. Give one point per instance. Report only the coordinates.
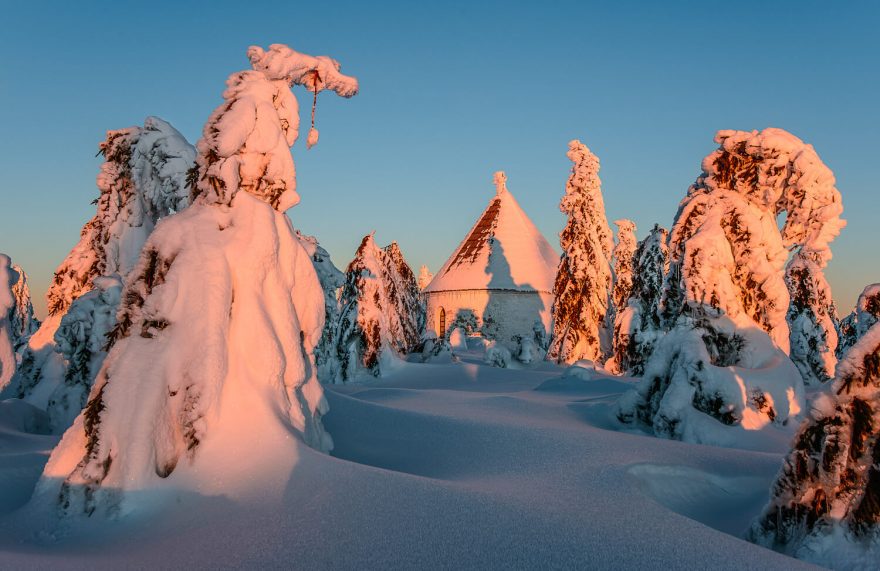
(142, 179)
(331, 281)
(854, 326)
(825, 503)
(637, 326)
(583, 278)
(213, 347)
(425, 277)
(725, 298)
(382, 316)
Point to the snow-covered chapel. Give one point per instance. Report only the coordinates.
(499, 279)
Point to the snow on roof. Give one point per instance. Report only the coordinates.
(503, 250)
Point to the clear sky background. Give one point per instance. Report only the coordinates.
(450, 92)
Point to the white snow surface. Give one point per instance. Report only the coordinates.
(503, 250)
(458, 466)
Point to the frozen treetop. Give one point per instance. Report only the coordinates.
(246, 142)
(316, 73)
(778, 172)
(504, 250)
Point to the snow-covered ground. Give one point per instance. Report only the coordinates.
(456, 465)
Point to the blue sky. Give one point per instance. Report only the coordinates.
(450, 92)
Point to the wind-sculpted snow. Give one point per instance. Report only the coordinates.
(382, 316)
(583, 278)
(825, 504)
(210, 378)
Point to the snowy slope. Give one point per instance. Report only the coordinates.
(444, 466)
(504, 250)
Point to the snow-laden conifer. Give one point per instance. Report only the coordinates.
(81, 340)
(142, 179)
(382, 315)
(8, 310)
(23, 323)
(331, 281)
(622, 280)
(211, 368)
(866, 313)
(825, 503)
(583, 278)
(725, 298)
(637, 327)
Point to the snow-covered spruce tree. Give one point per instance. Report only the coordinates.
(331, 281)
(214, 341)
(382, 316)
(142, 179)
(854, 326)
(825, 503)
(23, 322)
(622, 280)
(813, 334)
(425, 277)
(725, 299)
(8, 278)
(584, 276)
(637, 327)
(81, 340)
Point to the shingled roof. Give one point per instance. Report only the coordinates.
(503, 251)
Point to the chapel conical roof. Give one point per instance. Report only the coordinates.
(503, 251)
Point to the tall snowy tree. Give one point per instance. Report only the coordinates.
(331, 281)
(725, 298)
(584, 276)
(23, 322)
(142, 179)
(854, 326)
(811, 319)
(425, 277)
(622, 280)
(825, 503)
(637, 327)
(8, 278)
(382, 316)
(218, 323)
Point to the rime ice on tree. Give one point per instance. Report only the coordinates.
(854, 326)
(725, 298)
(17, 321)
(142, 179)
(331, 281)
(825, 503)
(583, 278)
(211, 369)
(382, 316)
(637, 327)
(622, 284)
(425, 277)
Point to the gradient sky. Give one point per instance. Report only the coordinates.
(450, 92)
